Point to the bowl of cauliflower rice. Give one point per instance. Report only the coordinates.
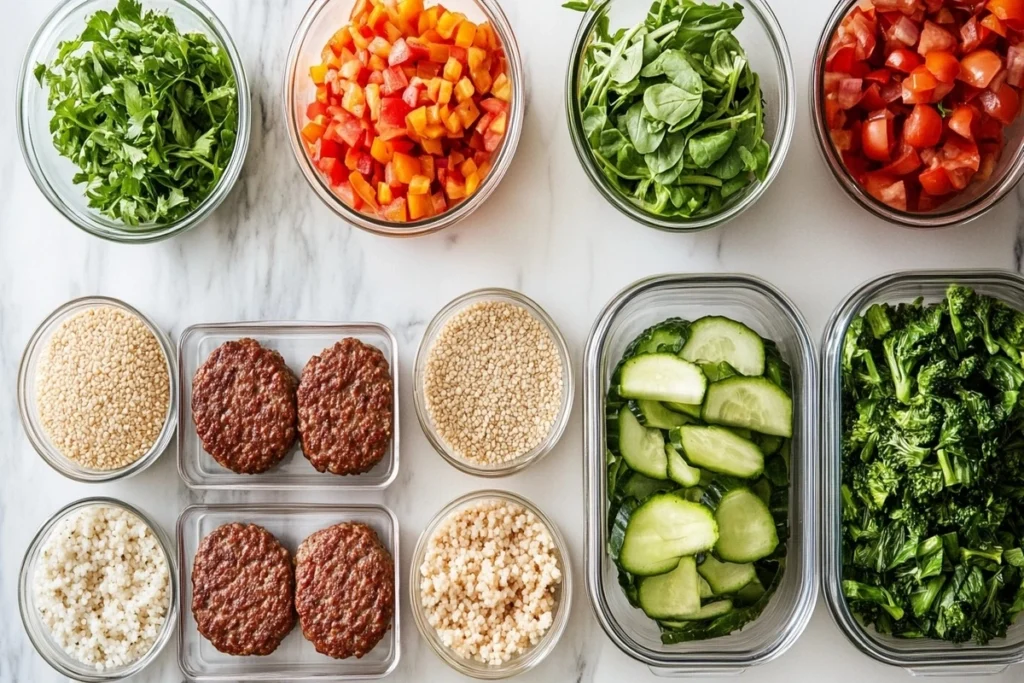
(490, 585)
(97, 591)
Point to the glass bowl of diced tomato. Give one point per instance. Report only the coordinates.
(917, 106)
(404, 115)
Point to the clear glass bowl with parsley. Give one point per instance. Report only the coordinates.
(133, 117)
(681, 112)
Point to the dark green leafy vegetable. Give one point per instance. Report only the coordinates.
(933, 468)
(149, 115)
(681, 95)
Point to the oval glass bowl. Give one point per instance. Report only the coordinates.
(762, 38)
(925, 656)
(536, 654)
(321, 21)
(973, 202)
(53, 173)
(38, 633)
(419, 376)
(28, 408)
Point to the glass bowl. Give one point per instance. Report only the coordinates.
(53, 173)
(29, 411)
(762, 38)
(40, 636)
(770, 313)
(419, 376)
(563, 599)
(916, 655)
(973, 202)
(321, 21)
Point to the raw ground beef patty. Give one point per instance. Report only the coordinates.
(243, 590)
(243, 406)
(345, 402)
(344, 589)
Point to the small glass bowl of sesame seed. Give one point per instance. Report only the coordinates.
(493, 382)
(98, 390)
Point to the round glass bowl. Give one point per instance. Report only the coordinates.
(563, 598)
(39, 634)
(969, 204)
(419, 380)
(321, 21)
(53, 173)
(27, 397)
(762, 38)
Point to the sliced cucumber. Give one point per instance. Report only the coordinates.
(704, 588)
(763, 488)
(678, 470)
(746, 527)
(693, 410)
(711, 610)
(662, 377)
(750, 593)
(720, 450)
(666, 337)
(671, 595)
(655, 414)
(769, 445)
(749, 403)
(715, 339)
(725, 577)
(643, 487)
(662, 530)
(643, 449)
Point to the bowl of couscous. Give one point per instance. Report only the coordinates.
(516, 579)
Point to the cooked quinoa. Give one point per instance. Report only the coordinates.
(489, 579)
(101, 586)
(103, 388)
(493, 382)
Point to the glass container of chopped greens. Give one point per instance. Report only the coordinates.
(658, 316)
(132, 137)
(921, 556)
(680, 111)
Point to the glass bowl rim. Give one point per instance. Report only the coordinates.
(28, 616)
(779, 151)
(949, 659)
(979, 206)
(501, 160)
(537, 653)
(35, 431)
(436, 324)
(89, 220)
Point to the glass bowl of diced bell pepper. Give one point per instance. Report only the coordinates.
(404, 115)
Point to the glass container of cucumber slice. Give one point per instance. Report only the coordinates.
(699, 441)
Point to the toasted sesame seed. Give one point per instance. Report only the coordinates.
(103, 388)
(493, 382)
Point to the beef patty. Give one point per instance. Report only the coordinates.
(243, 406)
(243, 590)
(345, 400)
(344, 590)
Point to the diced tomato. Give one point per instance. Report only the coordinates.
(989, 160)
(943, 65)
(333, 169)
(841, 59)
(1003, 105)
(879, 76)
(906, 162)
(872, 99)
(919, 86)
(1015, 65)
(973, 35)
(885, 188)
(935, 181)
(923, 128)
(935, 38)
(850, 90)
(902, 59)
(992, 23)
(979, 68)
(316, 109)
(393, 111)
(411, 96)
(905, 31)
(877, 138)
(962, 120)
(1010, 12)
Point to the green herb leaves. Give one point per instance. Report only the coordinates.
(149, 115)
(679, 91)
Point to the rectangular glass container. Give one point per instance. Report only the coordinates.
(771, 314)
(919, 655)
(297, 342)
(295, 659)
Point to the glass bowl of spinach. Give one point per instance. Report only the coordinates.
(680, 111)
(133, 117)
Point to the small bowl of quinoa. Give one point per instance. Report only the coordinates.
(491, 585)
(97, 390)
(493, 382)
(97, 591)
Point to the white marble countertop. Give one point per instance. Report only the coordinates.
(273, 251)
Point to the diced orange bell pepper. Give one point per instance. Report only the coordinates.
(452, 69)
(321, 94)
(380, 47)
(341, 39)
(447, 23)
(384, 193)
(444, 94)
(464, 89)
(381, 151)
(484, 169)
(467, 112)
(465, 34)
(351, 69)
(363, 189)
(439, 204)
(476, 57)
(427, 166)
(472, 183)
(318, 72)
(454, 189)
(434, 147)
(434, 88)
(420, 184)
(406, 167)
(360, 38)
(417, 120)
(502, 88)
(438, 53)
(434, 131)
(396, 211)
(377, 15)
(409, 10)
(481, 80)
(393, 33)
(482, 39)
(433, 115)
(312, 132)
(373, 100)
(467, 167)
(420, 206)
(354, 100)
(499, 124)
